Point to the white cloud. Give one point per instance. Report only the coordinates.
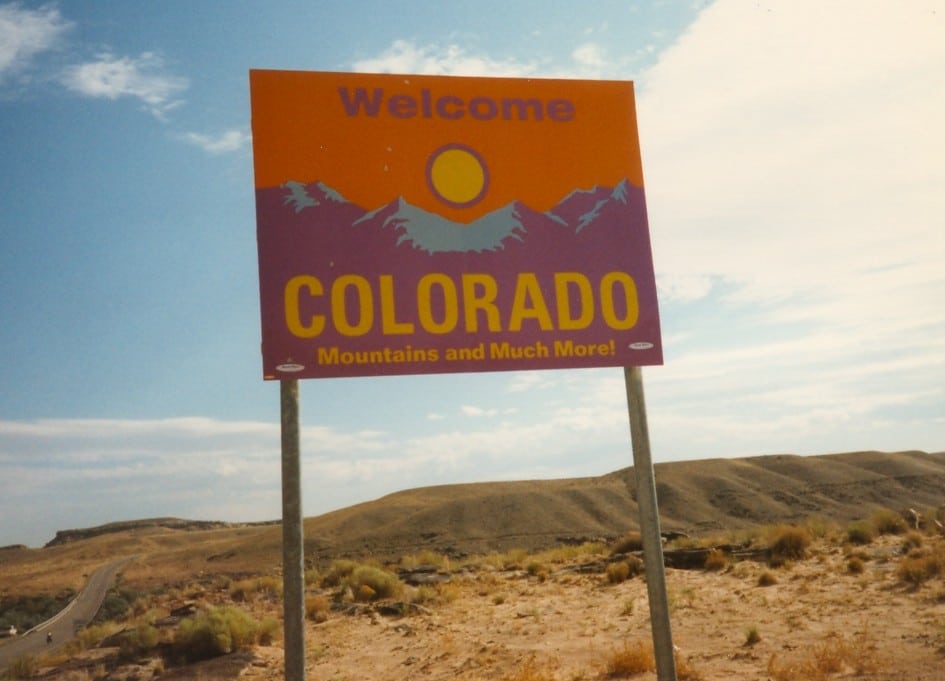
(403, 56)
(24, 33)
(230, 140)
(815, 161)
(793, 159)
(589, 54)
(143, 78)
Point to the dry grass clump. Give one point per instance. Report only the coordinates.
(426, 558)
(767, 578)
(317, 608)
(855, 565)
(716, 560)
(918, 567)
(623, 570)
(513, 559)
(535, 568)
(633, 658)
(266, 587)
(530, 671)
(887, 521)
(631, 541)
(618, 572)
(23, 667)
(836, 655)
(912, 540)
(788, 542)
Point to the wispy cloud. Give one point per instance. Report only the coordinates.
(404, 56)
(230, 140)
(143, 78)
(25, 33)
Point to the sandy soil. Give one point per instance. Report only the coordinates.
(818, 620)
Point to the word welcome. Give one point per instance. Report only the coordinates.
(442, 304)
(451, 107)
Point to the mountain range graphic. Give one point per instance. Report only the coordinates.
(508, 227)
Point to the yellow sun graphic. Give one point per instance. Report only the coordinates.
(457, 175)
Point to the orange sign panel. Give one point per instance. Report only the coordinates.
(424, 224)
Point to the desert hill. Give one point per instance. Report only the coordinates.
(696, 497)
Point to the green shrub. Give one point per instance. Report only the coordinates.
(887, 521)
(23, 667)
(339, 572)
(860, 533)
(138, 641)
(374, 583)
(217, 631)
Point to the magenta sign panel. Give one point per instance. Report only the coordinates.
(420, 224)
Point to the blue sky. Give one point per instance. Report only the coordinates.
(793, 155)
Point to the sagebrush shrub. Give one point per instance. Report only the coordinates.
(860, 533)
(339, 571)
(912, 540)
(214, 632)
(632, 541)
(618, 572)
(887, 521)
(138, 641)
(789, 542)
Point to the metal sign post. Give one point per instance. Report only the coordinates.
(650, 527)
(293, 577)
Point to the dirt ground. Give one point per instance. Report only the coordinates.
(548, 621)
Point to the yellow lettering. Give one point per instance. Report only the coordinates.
(293, 318)
(479, 294)
(528, 303)
(562, 296)
(425, 306)
(339, 308)
(389, 324)
(626, 318)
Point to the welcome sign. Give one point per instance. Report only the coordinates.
(432, 224)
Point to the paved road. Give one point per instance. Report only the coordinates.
(63, 626)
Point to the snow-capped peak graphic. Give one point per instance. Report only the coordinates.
(426, 231)
(583, 207)
(300, 198)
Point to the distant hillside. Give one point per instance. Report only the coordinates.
(695, 497)
(66, 536)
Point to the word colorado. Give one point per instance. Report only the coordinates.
(360, 102)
